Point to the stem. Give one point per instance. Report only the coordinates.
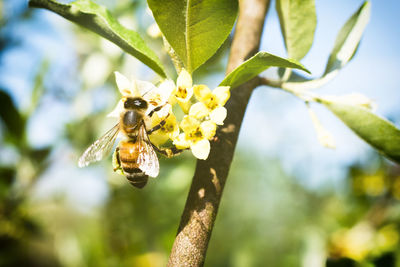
(303, 94)
(174, 57)
(190, 246)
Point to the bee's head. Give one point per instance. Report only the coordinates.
(136, 103)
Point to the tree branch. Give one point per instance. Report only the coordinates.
(190, 246)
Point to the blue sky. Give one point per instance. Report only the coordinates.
(278, 124)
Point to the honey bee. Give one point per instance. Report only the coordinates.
(135, 154)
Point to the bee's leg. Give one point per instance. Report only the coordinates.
(155, 110)
(168, 152)
(116, 162)
(158, 126)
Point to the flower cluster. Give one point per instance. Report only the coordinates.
(203, 110)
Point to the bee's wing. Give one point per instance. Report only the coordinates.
(147, 160)
(100, 148)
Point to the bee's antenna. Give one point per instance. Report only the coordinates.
(158, 83)
(146, 92)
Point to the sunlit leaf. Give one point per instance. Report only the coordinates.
(378, 132)
(348, 39)
(195, 29)
(257, 64)
(99, 20)
(298, 21)
(345, 47)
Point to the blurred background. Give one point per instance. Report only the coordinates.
(288, 201)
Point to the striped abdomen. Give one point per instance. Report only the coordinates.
(128, 157)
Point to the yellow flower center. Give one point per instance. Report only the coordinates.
(182, 92)
(167, 128)
(196, 134)
(211, 102)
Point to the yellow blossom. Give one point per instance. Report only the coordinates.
(196, 136)
(170, 130)
(211, 103)
(198, 127)
(184, 90)
(160, 95)
(212, 99)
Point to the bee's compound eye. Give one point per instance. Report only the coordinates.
(140, 103)
(135, 103)
(129, 103)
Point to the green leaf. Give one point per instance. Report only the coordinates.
(11, 117)
(378, 132)
(346, 46)
(195, 29)
(298, 20)
(257, 64)
(348, 39)
(99, 20)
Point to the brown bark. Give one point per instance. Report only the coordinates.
(190, 246)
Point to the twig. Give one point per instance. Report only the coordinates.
(190, 246)
(303, 94)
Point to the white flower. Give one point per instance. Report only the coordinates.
(155, 96)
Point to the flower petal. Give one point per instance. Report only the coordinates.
(185, 105)
(201, 149)
(181, 142)
(208, 129)
(184, 94)
(218, 115)
(184, 79)
(184, 90)
(158, 138)
(123, 84)
(171, 126)
(158, 96)
(155, 119)
(117, 110)
(165, 110)
(144, 88)
(201, 92)
(189, 124)
(165, 89)
(174, 133)
(169, 130)
(199, 110)
(172, 100)
(222, 93)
